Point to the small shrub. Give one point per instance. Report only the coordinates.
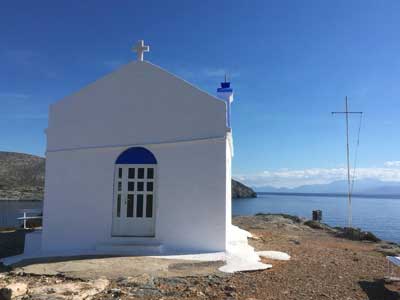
(357, 234)
(369, 236)
(313, 224)
(286, 216)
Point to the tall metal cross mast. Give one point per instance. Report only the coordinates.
(347, 112)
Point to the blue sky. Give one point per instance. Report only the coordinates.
(292, 63)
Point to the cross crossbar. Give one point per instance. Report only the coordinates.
(348, 112)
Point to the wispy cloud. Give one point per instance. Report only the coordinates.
(15, 95)
(52, 74)
(219, 72)
(393, 163)
(293, 178)
(20, 106)
(11, 99)
(23, 116)
(27, 60)
(20, 56)
(31, 116)
(214, 74)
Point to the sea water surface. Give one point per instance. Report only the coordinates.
(11, 210)
(378, 215)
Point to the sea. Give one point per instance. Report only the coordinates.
(11, 210)
(378, 215)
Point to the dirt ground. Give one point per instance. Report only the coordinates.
(322, 266)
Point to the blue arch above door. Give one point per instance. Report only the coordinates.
(136, 155)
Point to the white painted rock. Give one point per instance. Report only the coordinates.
(243, 266)
(277, 255)
(243, 261)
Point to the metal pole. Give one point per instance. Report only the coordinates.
(347, 112)
(348, 166)
(24, 220)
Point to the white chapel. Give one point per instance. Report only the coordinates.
(141, 156)
(138, 162)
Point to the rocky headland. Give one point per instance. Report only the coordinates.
(239, 190)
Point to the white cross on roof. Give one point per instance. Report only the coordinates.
(140, 48)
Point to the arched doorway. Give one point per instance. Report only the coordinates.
(134, 193)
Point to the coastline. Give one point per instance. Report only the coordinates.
(378, 215)
(383, 196)
(21, 200)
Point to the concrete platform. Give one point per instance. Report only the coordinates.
(117, 267)
(239, 256)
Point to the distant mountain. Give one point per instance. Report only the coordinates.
(363, 186)
(21, 176)
(385, 189)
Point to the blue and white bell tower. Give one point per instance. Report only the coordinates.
(225, 92)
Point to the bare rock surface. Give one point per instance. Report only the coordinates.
(71, 290)
(13, 290)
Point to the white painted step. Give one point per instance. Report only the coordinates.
(132, 248)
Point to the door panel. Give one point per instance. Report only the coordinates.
(134, 200)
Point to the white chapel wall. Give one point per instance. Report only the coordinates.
(190, 192)
(138, 104)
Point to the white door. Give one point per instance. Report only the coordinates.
(134, 200)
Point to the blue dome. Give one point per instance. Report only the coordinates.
(136, 155)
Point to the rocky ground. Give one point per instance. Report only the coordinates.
(323, 266)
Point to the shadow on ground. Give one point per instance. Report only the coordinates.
(12, 242)
(377, 290)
